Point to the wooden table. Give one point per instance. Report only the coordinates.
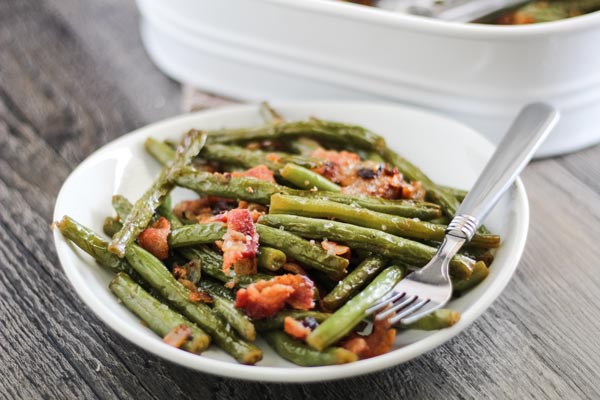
(73, 76)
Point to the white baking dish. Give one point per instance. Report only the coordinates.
(319, 49)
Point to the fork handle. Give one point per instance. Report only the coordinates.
(526, 134)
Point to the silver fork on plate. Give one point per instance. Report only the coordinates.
(429, 288)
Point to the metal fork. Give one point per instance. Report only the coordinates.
(429, 288)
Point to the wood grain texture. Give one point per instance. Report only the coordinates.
(73, 76)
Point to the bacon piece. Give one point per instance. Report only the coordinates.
(295, 328)
(413, 191)
(204, 209)
(240, 243)
(380, 341)
(200, 297)
(293, 268)
(274, 158)
(178, 335)
(154, 238)
(340, 166)
(265, 298)
(355, 344)
(336, 249)
(387, 185)
(261, 172)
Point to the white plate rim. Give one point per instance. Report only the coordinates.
(277, 374)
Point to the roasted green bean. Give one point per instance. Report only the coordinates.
(304, 178)
(143, 209)
(396, 225)
(353, 282)
(439, 319)
(223, 304)
(157, 316)
(311, 255)
(190, 235)
(155, 273)
(301, 354)
(270, 259)
(405, 250)
(346, 318)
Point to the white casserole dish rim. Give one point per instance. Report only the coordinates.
(433, 26)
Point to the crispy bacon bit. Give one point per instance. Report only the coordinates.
(355, 344)
(178, 336)
(413, 191)
(265, 298)
(191, 271)
(259, 172)
(240, 243)
(154, 238)
(200, 297)
(273, 157)
(387, 185)
(179, 272)
(360, 177)
(294, 268)
(295, 328)
(379, 342)
(336, 249)
(204, 209)
(231, 284)
(340, 166)
(189, 285)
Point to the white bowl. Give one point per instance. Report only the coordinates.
(446, 150)
(315, 49)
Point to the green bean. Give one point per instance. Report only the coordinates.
(269, 114)
(122, 206)
(304, 146)
(165, 210)
(111, 226)
(224, 185)
(311, 255)
(314, 128)
(217, 288)
(156, 315)
(353, 282)
(212, 265)
(162, 152)
(396, 225)
(88, 241)
(197, 234)
(439, 319)
(270, 259)
(460, 194)
(143, 209)
(226, 308)
(276, 321)
(379, 242)
(301, 354)
(257, 191)
(480, 272)
(250, 158)
(346, 318)
(404, 208)
(155, 273)
(304, 178)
